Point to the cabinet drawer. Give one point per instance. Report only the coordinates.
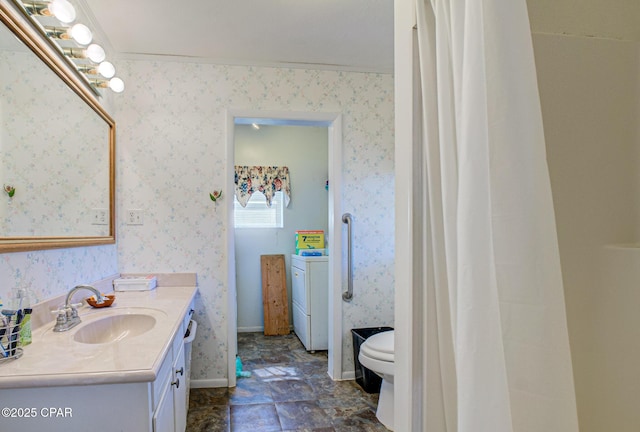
(298, 288)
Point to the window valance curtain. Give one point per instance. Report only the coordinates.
(265, 179)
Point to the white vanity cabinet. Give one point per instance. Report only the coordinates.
(94, 402)
(171, 411)
(310, 298)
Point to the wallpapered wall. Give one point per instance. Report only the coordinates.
(45, 274)
(54, 152)
(172, 152)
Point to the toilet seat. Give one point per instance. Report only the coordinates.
(379, 347)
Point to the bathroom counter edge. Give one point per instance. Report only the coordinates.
(44, 366)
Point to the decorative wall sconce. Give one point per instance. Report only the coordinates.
(10, 190)
(215, 195)
(55, 18)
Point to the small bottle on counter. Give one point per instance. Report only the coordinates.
(25, 327)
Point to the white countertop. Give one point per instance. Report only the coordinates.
(56, 359)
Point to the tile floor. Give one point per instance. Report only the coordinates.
(288, 390)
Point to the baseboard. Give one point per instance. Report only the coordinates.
(250, 329)
(209, 383)
(223, 382)
(348, 375)
(255, 329)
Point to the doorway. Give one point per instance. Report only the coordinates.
(331, 121)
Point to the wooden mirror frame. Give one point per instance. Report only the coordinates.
(42, 48)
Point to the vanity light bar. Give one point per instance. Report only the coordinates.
(79, 34)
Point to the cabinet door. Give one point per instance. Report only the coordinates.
(180, 392)
(163, 419)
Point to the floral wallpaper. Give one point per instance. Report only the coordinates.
(172, 152)
(54, 152)
(45, 274)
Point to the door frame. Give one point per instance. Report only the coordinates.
(333, 121)
(410, 401)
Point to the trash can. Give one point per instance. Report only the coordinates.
(368, 380)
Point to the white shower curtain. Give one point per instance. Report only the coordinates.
(497, 343)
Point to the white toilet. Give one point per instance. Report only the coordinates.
(377, 355)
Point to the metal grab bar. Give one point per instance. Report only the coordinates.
(348, 295)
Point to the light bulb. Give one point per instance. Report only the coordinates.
(106, 69)
(63, 11)
(81, 34)
(95, 53)
(116, 84)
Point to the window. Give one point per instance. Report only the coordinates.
(256, 214)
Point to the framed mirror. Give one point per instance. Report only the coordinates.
(57, 148)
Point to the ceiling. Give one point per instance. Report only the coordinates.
(336, 34)
(321, 34)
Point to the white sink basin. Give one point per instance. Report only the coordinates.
(114, 328)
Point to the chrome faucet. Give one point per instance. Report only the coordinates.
(67, 316)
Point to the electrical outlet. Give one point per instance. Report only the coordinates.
(99, 216)
(135, 217)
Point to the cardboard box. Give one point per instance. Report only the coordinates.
(309, 239)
